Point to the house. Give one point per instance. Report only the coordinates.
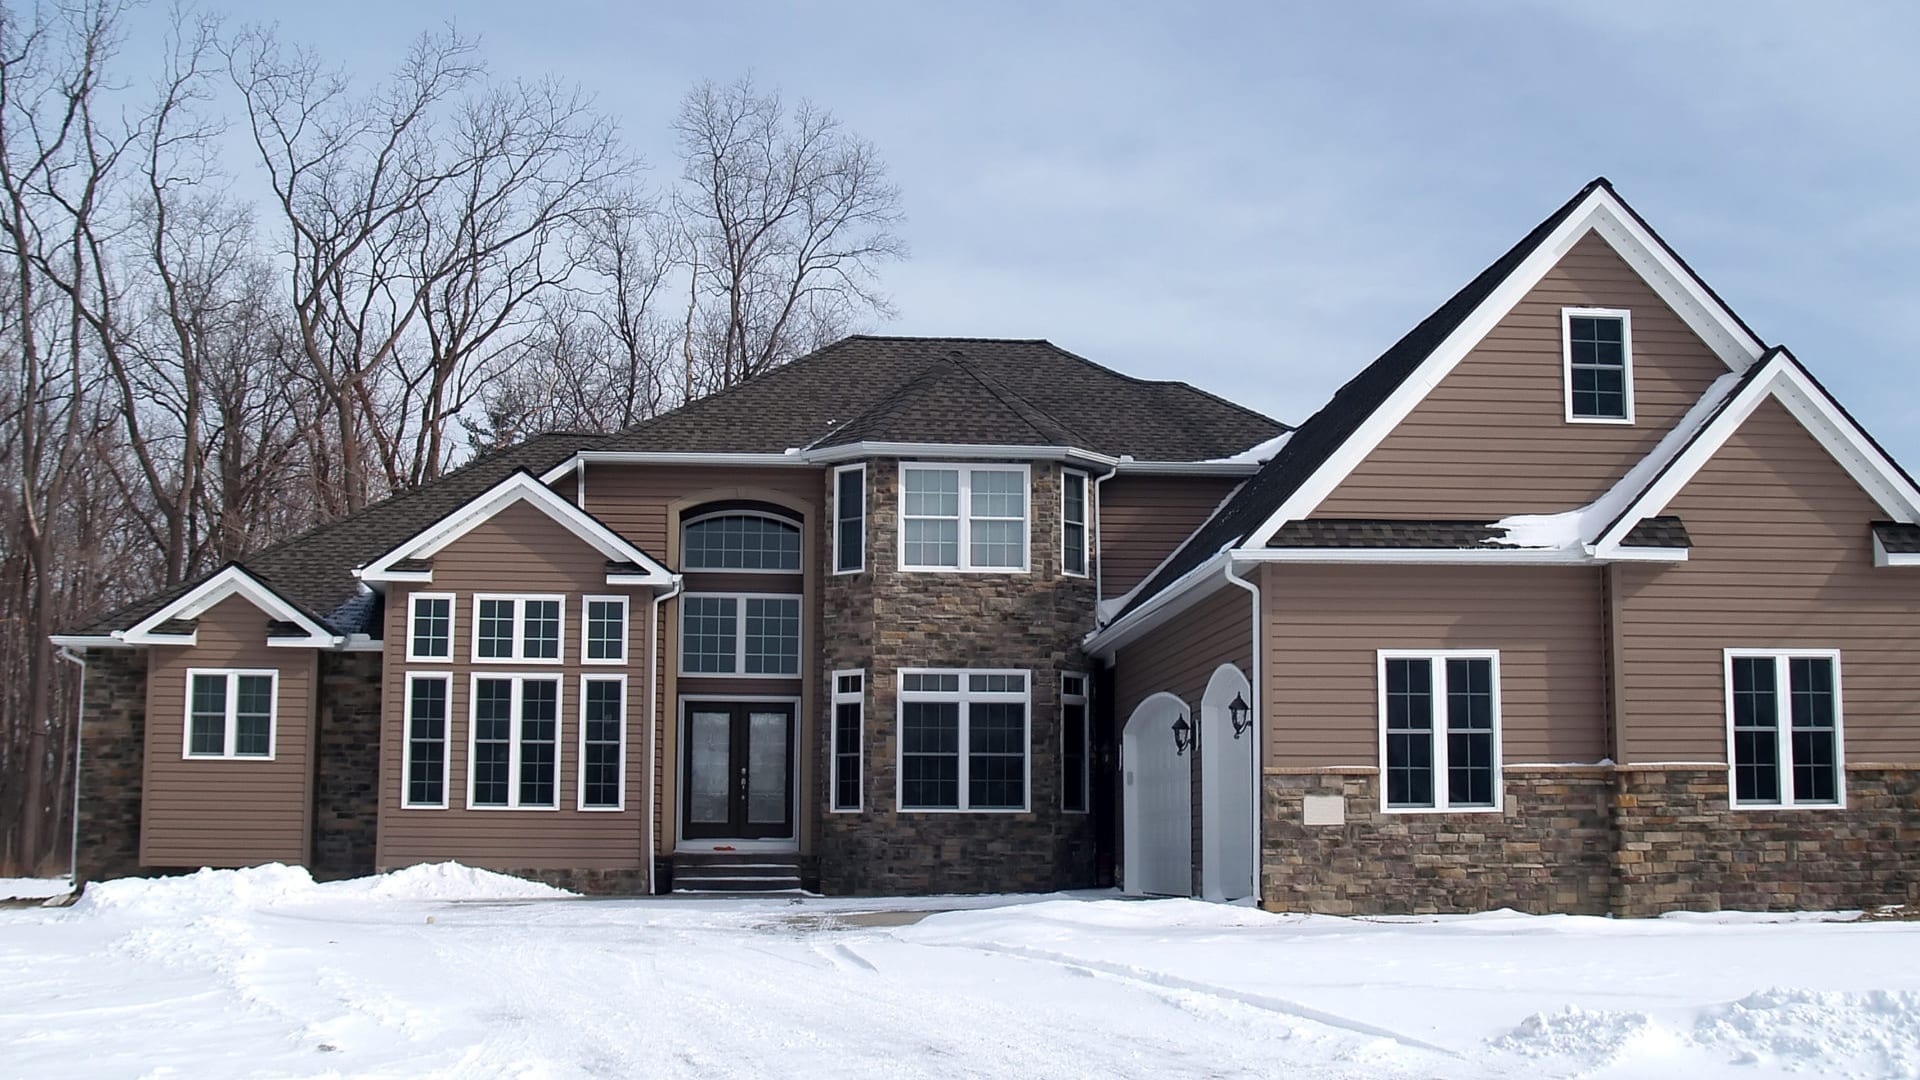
(1579, 598)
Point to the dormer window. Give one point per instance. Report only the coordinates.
(1598, 349)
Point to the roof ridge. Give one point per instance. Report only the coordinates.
(1177, 384)
(888, 401)
(1063, 433)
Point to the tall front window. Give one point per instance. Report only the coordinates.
(1439, 730)
(1783, 727)
(963, 740)
(849, 708)
(513, 748)
(1073, 523)
(1076, 749)
(603, 726)
(230, 713)
(963, 517)
(604, 625)
(425, 767)
(849, 519)
(517, 628)
(1599, 364)
(739, 635)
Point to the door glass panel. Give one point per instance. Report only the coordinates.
(767, 768)
(708, 740)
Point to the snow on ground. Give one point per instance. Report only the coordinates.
(448, 971)
(33, 888)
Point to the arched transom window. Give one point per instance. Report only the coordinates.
(742, 541)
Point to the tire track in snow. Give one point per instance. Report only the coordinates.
(1163, 980)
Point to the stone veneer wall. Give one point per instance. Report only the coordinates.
(1682, 848)
(346, 798)
(882, 620)
(1628, 841)
(113, 733)
(1547, 849)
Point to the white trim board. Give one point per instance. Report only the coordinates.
(1785, 381)
(232, 581)
(522, 486)
(1600, 212)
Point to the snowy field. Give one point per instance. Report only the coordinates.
(444, 971)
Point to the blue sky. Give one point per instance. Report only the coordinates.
(1259, 198)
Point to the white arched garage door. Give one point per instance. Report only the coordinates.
(1157, 807)
(1226, 791)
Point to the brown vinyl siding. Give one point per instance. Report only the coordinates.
(1181, 655)
(636, 500)
(518, 551)
(1323, 626)
(227, 812)
(1492, 439)
(1782, 558)
(1143, 518)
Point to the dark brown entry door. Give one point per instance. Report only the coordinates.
(737, 770)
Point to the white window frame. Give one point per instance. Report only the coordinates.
(519, 680)
(839, 698)
(231, 735)
(1086, 524)
(453, 625)
(1084, 699)
(520, 629)
(1437, 657)
(800, 531)
(1783, 689)
(964, 697)
(580, 785)
(586, 629)
(406, 743)
(740, 635)
(965, 554)
(1567, 315)
(862, 564)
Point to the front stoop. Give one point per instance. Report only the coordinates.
(736, 872)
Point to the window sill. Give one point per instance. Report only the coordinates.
(1442, 809)
(529, 809)
(1617, 421)
(735, 675)
(505, 660)
(963, 810)
(1787, 806)
(1009, 570)
(226, 757)
(621, 662)
(423, 806)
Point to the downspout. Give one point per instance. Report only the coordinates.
(1099, 564)
(653, 714)
(73, 845)
(1259, 747)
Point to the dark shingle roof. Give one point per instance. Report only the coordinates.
(1375, 533)
(1660, 532)
(313, 571)
(1898, 538)
(1325, 431)
(955, 390)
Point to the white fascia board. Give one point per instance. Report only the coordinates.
(562, 469)
(660, 457)
(1421, 556)
(520, 487)
(1189, 468)
(643, 579)
(1815, 412)
(1599, 212)
(362, 643)
(87, 641)
(231, 581)
(1642, 554)
(860, 450)
(1179, 595)
(386, 577)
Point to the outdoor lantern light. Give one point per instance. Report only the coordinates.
(1184, 735)
(1242, 714)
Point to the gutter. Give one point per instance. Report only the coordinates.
(73, 845)
(653, 715)
(833, 455)
(1259, 746)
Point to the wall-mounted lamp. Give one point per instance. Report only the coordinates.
(1185, 736)
(1242, 714)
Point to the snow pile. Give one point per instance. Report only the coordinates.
(1824, 1033)
(446, 881)
(275, 883)
(30, 888)
(1258, 454)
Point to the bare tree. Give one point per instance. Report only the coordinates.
(787, 218)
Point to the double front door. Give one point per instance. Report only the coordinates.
(737, 770)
